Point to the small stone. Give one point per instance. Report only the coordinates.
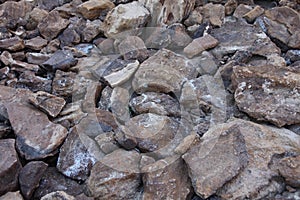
(199, 45)
(206, 63)
(292, 56)
(187, 143)
(36, 43)
(12, 196)
(12, 44)
(37, 58)
(214, 13)
(48, 4)
(63, 83)
(50, 104)
(9, 166)
(52, 46)
(30, 176)
(119, 104)
(52, 25)
(20, 55)
(92, 29)
(241, 10)
(133, 48)
(92, 9)
(121, 18)
(104, 101)
(69, 37)
(106, 46)
(195, 17)
(61, 59)
(58, 195)
(253, 14)
(29, 80)
(116, 176)
(107, 142)
(106, 119)
(230, 7)
(35, 17)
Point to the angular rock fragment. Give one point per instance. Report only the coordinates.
(119, 104)
(36, 43)
(164, 72)
(232, 160)
(63, 83)
(30, 176)
(17, 65)
(35, 17)
(121, 18)
(157, 103)
(52, 25)
(48, 4)
(92, 29)
(12, 196)
(35, 83)
(133, 48)
(37, 58)
(199, 45)
(104, 101)
(53, 181)
(268, 93)
(61, 59)
(116, 176)
(9, 166)
(92, 9)
(58, 195)
(214, 13)
(12, 44)
(167, 178)
(5, 130)
(241, 10)
(230, 6)
(253, 14)
(48, 103)
(195, 17)
(107, 142)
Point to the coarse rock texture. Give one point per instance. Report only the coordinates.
(58, 195)
(94, 8)
(235, 160)
(12, 196)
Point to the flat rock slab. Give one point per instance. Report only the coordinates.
(61, 59)
(9, 166)
(232, 159)
(268, 93)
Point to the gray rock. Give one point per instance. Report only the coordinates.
(133, 48)
(61, 59)
(214, 13)
(35, 83)
(37, 58)
(36, 43)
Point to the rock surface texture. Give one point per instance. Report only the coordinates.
(149, 99)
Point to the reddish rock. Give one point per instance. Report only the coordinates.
(9, 166)
(52, 25)
(92, 9)
(36, 43)
(12, 44)
(30, 176)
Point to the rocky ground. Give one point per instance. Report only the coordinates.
(150, 99)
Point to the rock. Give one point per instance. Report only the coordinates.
(157, 103)
(165, 72)
(119, 104)
(37, 58)
(35, 17)
(12, 196)
(92, 29)
(106, 119)
(92, 9)
(104, 101)
(52, 46)
(167, 178)
(241, 10)
(61, 59)
(240, 36)
(36, 43)
(195, 17)
(165, 12)
(18, 55)
(63, 83)
(5, 130)
(253, 14)
(12, 12)
(235, 160)
(116, 176)
(152, 132)
(187, 143)
(107, 142)
(230, 7)
(48, 4)
(12, 44)
(75, 160)
(58, 195)
(69, 37)
(122, 76)
(30, 176)
(52, 25)
(199, 45)
(268, 93)
(81, 50)
(122, 19)
(214, 13)
(16, 65)
(292, 56)
(68, 10)
(50, 104)
(10, 166)
(35, 83)
(206, 63)
(53, 181)
(133, 48)
(106, 46)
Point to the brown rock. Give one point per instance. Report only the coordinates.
(195, 17)
(92, 9)
(58, 195)
(116, 176)
(63, 84)
(35, 17)
(35, 83)
(69, 37)
(230, 7)
(12, 196)
(5, 129)
(48, 4)
(199, 45)
(37, 58)
(52, 46)
(133, 48)
(16, 65)
(268, 93)
(241, 10)
(50, 104)
(53, 181)
(106, 46)
(157, 103)
(36, 43)
(18, 55)
(92, 29)
(52, 25)
(12, 44)
(30, 176)
(235, 160)
(253, 14)
(121, 18)
(214, 13)
(9, 166)
(119, 104)
(61, 59)
(165, 72)
(107, 142)
(166, 179)
(107, 118)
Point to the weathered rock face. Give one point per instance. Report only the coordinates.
(29, 80)
(36, 43)
(165, 12)
(12, 44)
(30, 176)
(121, 18)
(9, 166)
(75, 160)
(57, 196)
(116, 176)
(268, 93)
(166, 179)
(133, 48)
(12, 196)
(163, 72)
(63, 83)
(214, 13)
(235, 160)
(94, 8)
(62, 60)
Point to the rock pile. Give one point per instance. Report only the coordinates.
(149, 99)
